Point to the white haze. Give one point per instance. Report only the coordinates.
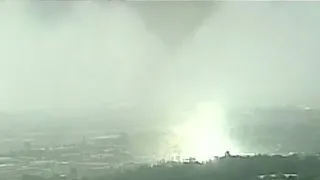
(82, 55)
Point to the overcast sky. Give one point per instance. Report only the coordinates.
(65, 55)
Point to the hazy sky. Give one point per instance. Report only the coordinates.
(57, 55)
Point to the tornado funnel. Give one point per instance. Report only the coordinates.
(174, 22)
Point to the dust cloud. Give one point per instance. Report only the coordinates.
(160, 59)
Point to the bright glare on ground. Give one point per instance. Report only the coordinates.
(203, 136)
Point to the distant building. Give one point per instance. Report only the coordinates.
(227, 154)
(278, 176)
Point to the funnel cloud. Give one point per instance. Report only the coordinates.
(155, 62)
(66, 55)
